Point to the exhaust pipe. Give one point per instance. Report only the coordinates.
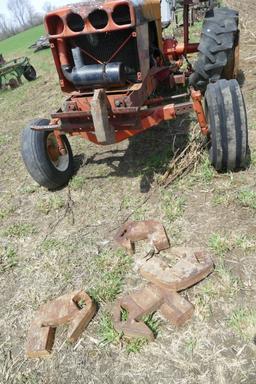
(95, 74)
(167, 12)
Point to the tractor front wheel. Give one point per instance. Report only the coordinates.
(42, 158)
(226, 116)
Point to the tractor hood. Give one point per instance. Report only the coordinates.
(145, 9)
(100, 15)
(103, 43)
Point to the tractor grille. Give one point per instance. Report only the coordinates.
(102, 46)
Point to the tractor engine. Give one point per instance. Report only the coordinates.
(104, 44)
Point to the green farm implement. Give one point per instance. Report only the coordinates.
(12, 71)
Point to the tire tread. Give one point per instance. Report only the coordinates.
(218, 39)
(36, 160)
(228, 125)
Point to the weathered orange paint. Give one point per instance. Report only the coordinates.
(198, 108)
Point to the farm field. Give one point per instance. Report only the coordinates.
(18, 44)
(52, 243)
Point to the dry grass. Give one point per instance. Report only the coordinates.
(51, 243)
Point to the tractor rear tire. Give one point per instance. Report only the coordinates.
(29, 73)
(218, 49)
(42, 158)
(226, 116)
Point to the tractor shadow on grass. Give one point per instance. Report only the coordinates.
(148, 154)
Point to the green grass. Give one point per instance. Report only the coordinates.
(30, 188)
(253, 158)
(6, 212)
(4, 139)
(219, 244)
(206, 296)
(8, 259)
(28, 94)
(77, 182)
(16, 45)
(243, 322)
(247, 198)
(246, 243)
(191, 344)
(109, 269)
(53, 203)
(152, 323)
(195, 32)
(224, 285)
(158, 162)
(221, 197)
(206, 170)
(109, 335)
(229, 283)
(49, 245)
(173, 206)
(135, 345)
(107, 331)
(20, 230)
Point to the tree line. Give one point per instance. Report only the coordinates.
(22, 16)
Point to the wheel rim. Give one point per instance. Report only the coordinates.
(59, 161)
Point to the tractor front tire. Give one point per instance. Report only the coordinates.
(29, 73)
(42, 158)
(227, 120)
(218, 49)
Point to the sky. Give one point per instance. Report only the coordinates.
(37, 4)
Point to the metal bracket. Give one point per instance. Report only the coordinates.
(104, 131)
(63, 310)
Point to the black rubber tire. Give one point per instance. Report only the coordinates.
(13, 83)
(219, 40)
(37, 161)
(29, 73)
(226, 116)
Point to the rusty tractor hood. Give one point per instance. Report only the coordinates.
(145, 10)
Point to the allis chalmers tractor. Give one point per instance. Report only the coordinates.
(124, 77)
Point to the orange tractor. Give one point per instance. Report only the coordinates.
(123, 76)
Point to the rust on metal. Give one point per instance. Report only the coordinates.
(150, 230)
(147, 300)
(45, 127)
(60, 143)
(161, 294)
(193, 267)
(182, 108)
(104, 131)
(175, 308)
(198, 108)
(75, 309)
(127, 113)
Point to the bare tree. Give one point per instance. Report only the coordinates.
(33, 17)
(23, 12)
(6, 29)
(3, 26)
